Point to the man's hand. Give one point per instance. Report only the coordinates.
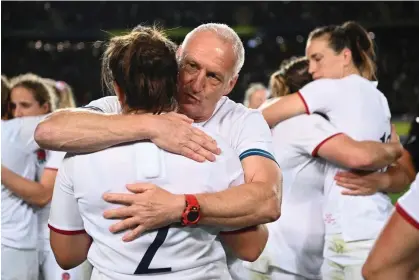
(361, 182)
(173, 132)
(150, 207)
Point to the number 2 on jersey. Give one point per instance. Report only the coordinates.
(143, 266)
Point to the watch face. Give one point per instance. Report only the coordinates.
(193, 216)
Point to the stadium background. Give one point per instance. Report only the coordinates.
(62, 40)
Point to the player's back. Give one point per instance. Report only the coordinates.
(357, 108)
(173, 252)
(297, 247)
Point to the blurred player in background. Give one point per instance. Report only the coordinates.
(295, 250)
(19, 255)
(145, 83)
(255, 95)
(63, 92)
(31, 96)
(341, 62)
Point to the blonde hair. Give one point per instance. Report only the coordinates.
(41, 91)
(290, 78)
(250, 90)
(63, 92)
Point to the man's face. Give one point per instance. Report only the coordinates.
(206, 74)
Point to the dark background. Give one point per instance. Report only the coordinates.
(59, 39)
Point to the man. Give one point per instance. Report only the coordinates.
(210, 59)
(255, 95)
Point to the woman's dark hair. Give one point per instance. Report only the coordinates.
(290, 78)
(5, 98)
(353, 36)
(143, 64)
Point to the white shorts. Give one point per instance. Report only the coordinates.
(344, 260)
(50, 270)
(18, 264)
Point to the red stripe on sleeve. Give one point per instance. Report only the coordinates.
(66, 232)
(406, 216)
(314, 152)
(304, 101)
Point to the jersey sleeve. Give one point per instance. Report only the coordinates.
(55, 160)
(27, 126)
(254, 137)
(64, 216)
(235, 171)
(319, 96)
(407, 205)
(312, 133)
(108, 104)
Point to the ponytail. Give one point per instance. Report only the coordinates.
(290, 78)
(277, 84)
(362, 49)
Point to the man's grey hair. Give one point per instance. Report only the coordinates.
(252, 89)
(227, 34)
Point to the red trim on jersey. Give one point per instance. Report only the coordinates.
(51, 168)
(66, 232)
(304, 101)
(314, 152)
(406, 216)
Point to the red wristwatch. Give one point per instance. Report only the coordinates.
(191, 215)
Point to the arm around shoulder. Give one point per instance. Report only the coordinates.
(82, 130)
(364, 155)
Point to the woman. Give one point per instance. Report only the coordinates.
(63, 92)
(31, 96)
(142, 70)
(341, 63)
(5, 95)
(294, 249)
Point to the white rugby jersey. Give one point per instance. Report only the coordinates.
(296, 240)
(173, 252)
(18, 219)
(408, 205)
(245, 130)
(357, 108)
(53, 162)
